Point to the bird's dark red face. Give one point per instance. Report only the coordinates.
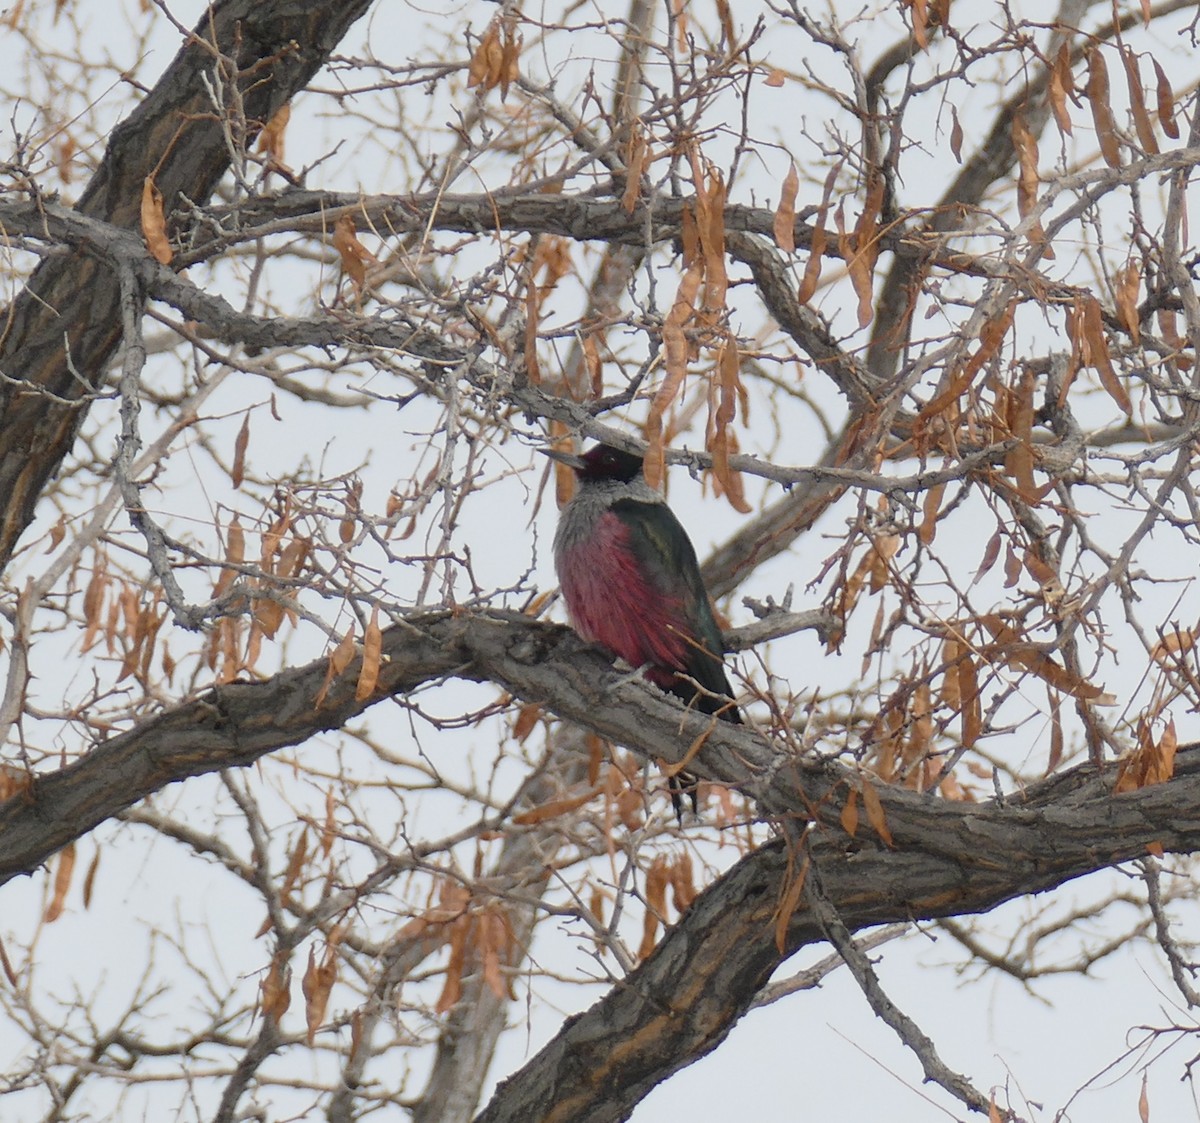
(603, 462)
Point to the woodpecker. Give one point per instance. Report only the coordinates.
(629, 575)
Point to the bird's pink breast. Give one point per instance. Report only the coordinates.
(612, 602)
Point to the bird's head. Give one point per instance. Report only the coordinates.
(600, 463)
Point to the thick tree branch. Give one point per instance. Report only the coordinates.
(947, 858)
(235, 724)
(683, 1000)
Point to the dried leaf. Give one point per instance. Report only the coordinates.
(1027, 155)
(533, 368)
(785, 213)
(710, 222)
(812, 268)
(788, 904)
(294, 555)
(956, 135)
(990, 553)
(775, 77)
(1165, 98)
(683, 883)
(564, 476)
(968, 689)
(657, 879)
(235, 553)
(368, 676)
(276, 989)
(920, 738)
(872, 648)
(991, 336)
(89, 881)
(675, 361)
(873, 807)
(1102, 114)
(553, 808)
(920, 21)
(849, 816)
(1098, 354)
(1137, 102)
(93, 603)
(1062, 82)
(930, 507)
(329, 828)
(951, 649)
(1126, 298)
(494, 945)
(57, 533)
(865, 251)
(628, 806)
(1012, 566)
(484, 67)
(268, 615)
(884, 547)
(1151, 762)
(1168, 745)
(318, 982)
(849, 593)
(62, 882)
(510, 55)
(237, 471)
(634, 164)
(154, 223)
(271, 540)
(342, 655)
(1027, 180)
(1018, 461)
(295, 864)
(528, 717)
(1169, 330)
(1171, 645)
(721, 439)
(355, 257)
(593, 365)
(1012, 648)
(270, 140)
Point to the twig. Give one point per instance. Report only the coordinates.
(1162, 931)
(128, 445)
(815, 975)
(906, 1029)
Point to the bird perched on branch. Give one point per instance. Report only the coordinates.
(629, 575)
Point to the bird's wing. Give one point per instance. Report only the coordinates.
(668, 560)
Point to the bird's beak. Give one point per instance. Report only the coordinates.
(567, 458)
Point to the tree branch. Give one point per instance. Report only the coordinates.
(947, 858)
